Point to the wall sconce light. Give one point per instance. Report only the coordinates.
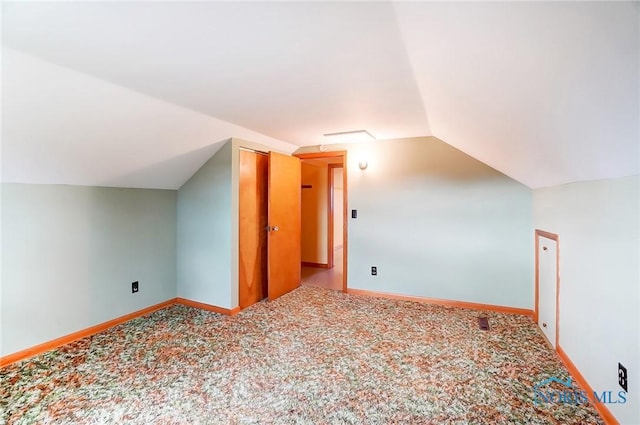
(363, 164)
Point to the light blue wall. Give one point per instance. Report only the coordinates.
(204, 233)
(70, 253)
(437, 223)
(598, 228)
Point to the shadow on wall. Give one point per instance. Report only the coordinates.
(182, 166)
(423, 158)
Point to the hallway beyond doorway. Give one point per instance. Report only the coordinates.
(325, 278)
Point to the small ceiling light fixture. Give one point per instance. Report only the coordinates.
(350, 136)
(363, 164)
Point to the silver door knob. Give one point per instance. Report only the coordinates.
(275, 228)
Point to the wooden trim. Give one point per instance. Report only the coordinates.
(552, 236)
(446, 303)
(209, 307)
(312, 264)
(330, 208)
(605, 413)
(331, 211)
(67, 339)
(329, 154)
(557, 291)
(345, 222)
(536, 278)
(547, 235)
(58, 342)
(330, 205)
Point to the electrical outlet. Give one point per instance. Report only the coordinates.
(135, 287)
(374, 271)
(622, 376)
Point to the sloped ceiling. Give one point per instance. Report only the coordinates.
(544, 92)
(64, 127)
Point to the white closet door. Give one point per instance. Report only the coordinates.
(548, 272)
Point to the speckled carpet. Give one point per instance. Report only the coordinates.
(312, 357)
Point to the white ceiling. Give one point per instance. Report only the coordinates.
(544, 92)
(65, 127)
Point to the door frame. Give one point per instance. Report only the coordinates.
(552, 236)
(335, 154)
(331, 207)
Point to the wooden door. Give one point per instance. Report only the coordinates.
(253, 225)
(284, 224)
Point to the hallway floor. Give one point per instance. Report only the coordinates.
(325, 278)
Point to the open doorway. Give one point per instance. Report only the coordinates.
(323, 224)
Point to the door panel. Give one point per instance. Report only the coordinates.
(284, 221)
(252, 231)
(547, 281)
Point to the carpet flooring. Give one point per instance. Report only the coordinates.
(314, 356)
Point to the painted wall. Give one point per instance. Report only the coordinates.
(338, 202)
(204, 233)
(599, 240)
(208, 220)
(70, 253)
(315, 213)
(437, 223)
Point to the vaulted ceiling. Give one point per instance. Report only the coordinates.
(141, 93)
